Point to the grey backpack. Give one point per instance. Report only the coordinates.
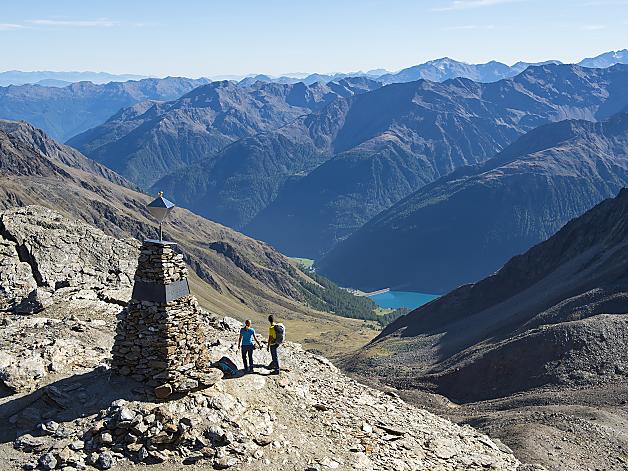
(280, 333)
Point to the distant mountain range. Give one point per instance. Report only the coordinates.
(445, 68)
(464, 226)
(606, 59)
(66, 111)
(18, 77)
(149, 141)
(442, 69)
(305, 166)
(552, 317)
(401, 137)
(64, 114)
(437, 70)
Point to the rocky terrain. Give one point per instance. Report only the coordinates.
(67, 409)
(517, 199)
(231, 274)
(541, 343)
(309, 417)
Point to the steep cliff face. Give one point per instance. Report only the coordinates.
(553, 316)
(465, 226)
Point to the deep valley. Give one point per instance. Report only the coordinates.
(404, 268)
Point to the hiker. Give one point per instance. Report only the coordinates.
(276, 335)
(247, 335)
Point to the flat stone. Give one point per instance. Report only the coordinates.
(187, 385)
(126, 414)
(48, 461)
(104, 461)
(29, 443)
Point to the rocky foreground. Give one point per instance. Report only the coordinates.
(309, 417)
(62, 406)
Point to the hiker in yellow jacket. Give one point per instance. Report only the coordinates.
(276, 334)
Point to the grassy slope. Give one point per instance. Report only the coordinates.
(224, 288)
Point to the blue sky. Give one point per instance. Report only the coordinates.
(207, 38)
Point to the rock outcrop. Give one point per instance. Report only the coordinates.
(37, 348)
(160, 337)
(42, 252)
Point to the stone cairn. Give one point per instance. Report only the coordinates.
(160, 338)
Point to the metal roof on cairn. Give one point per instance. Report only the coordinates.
(161, 202)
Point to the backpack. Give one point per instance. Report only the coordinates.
(280, 333)
(227, 366)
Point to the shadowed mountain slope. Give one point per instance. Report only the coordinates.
(303, 167)
(465, 226)
(397, 139)
(555, 315)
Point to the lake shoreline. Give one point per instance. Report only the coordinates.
(389, 299)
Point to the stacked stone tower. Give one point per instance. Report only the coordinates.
(160, 338)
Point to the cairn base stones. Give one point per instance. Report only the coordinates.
(160, 338)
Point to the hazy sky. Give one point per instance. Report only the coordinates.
(207, 37)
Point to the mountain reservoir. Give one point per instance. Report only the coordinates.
(398, 299)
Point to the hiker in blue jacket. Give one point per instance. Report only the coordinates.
(247, 335)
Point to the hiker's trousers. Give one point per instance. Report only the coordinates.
(247, 351)
(275, 356)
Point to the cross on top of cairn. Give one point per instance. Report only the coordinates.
(160, 338)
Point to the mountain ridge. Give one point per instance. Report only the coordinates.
(570, 165)
(447, 125)
(66, 111)
(204, 123)
(309, 178)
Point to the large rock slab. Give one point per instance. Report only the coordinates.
(40, 248)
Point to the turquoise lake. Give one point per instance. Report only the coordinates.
(397, 299)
